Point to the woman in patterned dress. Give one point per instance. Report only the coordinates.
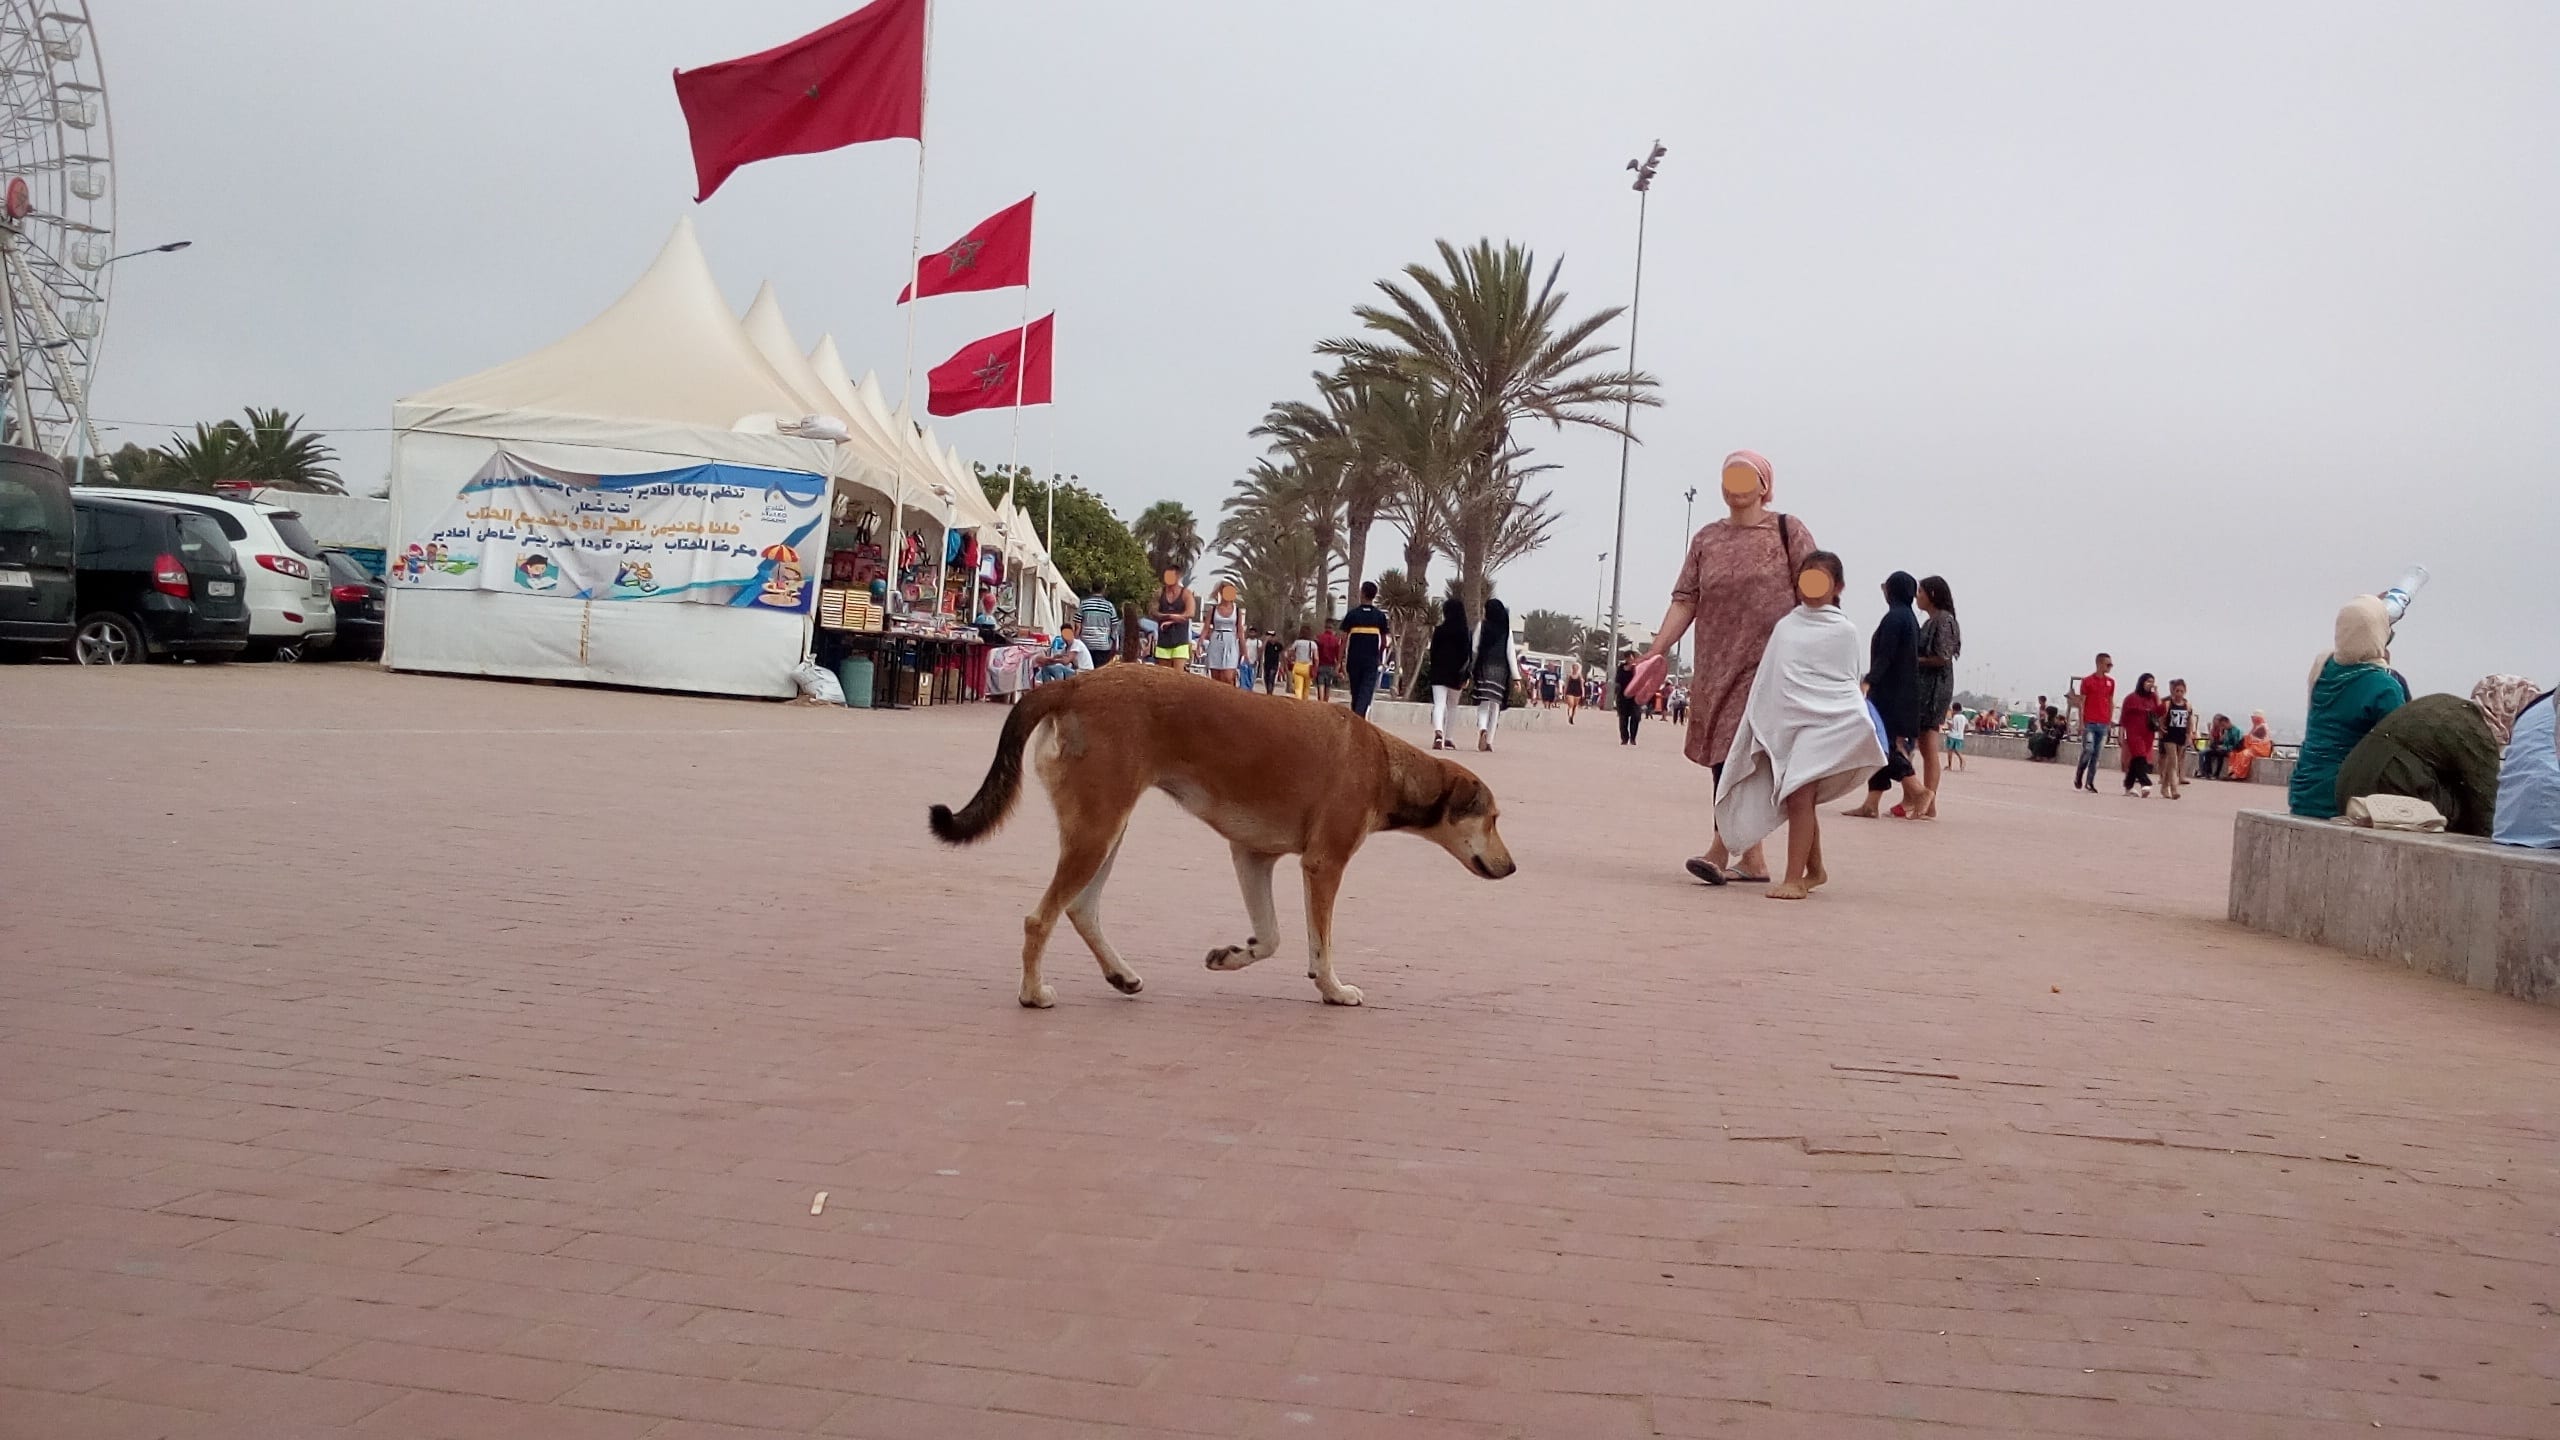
(1735, 586)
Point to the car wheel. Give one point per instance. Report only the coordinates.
(109, 639)
(286, 652)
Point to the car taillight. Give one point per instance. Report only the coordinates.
(349, 594)
(169, 577)
(286, 565)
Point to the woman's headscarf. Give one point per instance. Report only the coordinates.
(2502, 698)
(2364, 632)
(1453, 615)
(2257, 722)
(1493, 641)
(1900, 589)
(1759, 464)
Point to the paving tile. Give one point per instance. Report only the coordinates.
(2007, 1133)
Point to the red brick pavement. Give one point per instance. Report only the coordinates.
(389, 1056)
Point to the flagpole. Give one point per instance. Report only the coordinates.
(1049, 537)
(907, 389)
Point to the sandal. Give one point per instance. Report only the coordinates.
(1711, 874)
(1738, 878)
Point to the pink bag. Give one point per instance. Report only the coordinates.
(1648, 679)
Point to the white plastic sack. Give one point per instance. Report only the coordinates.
(817, 684)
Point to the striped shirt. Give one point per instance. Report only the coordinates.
(1097, 616)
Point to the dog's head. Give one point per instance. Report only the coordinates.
(1447, 805)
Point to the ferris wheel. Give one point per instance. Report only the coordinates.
(57, 221)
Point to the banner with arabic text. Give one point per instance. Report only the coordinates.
(713, 534)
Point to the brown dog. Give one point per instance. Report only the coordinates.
(1276, 776)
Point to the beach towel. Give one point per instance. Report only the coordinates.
(1804, 724)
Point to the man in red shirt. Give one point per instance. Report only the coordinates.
(1328, 663)
(2097, 707)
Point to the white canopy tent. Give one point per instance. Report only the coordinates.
(666, 379)
(663, 380)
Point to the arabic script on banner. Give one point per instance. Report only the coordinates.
(712, 534)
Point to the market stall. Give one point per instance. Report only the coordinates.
(622, 506)
(674, 498)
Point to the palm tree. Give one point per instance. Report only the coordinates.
(1171, 534)
(279, 454)
(1324, 437)
(1551, 631)
(1274, 532)
(1490, 336)
(270, 450)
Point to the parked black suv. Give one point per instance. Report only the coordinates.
(154, 581)
(36, 593)
(357, 594)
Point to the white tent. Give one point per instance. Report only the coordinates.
(663, 380)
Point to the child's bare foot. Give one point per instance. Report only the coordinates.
(1815, 879)
(1791, 890)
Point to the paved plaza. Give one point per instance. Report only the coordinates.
(427, 1058)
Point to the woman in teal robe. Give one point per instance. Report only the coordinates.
(2352, 688)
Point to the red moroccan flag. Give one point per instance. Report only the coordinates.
(994, 255)
(861, 78)
(990, 374)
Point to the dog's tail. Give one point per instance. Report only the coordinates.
(986, 809)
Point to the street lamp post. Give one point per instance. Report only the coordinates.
(1688, 516)
(80, 429)
(1605, 648)
(1626, 440)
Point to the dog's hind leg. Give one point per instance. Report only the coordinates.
(1323, 876)
(1253, 877)
(1085, 913)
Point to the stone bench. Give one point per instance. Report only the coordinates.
(2463, 909)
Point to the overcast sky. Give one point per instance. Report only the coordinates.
(2159, 330)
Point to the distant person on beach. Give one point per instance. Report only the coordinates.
(1451, 647)
(1176, 608)
(1302, 662)
(1067, 655)
(2177, 731)
(1098, 624)
(1893, 688)
(2044, 742)
(1492, 671)
(2097, 707)
(1680, 705)
(1275, 661)
(1804, 737)
(1573, 693)
(2255, 745)
(1941, 641)
(2220, 738)
(2137, 730)
(1364, 646)
(1328, 663)
(1224, 652)
(1953, 742)
(1736, 583)
(2352, 688)
(1630, 714)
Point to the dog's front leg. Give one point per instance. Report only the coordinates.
(1253, 877)
(1323, 878)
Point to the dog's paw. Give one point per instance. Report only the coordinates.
(1040, 999)
(1344, 995)
(1231, 957)
(1126, 985)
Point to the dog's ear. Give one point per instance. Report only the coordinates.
(1421, 812)
(1465, 796)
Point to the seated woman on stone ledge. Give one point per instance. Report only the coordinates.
(2352, 688)
(2529, 779)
